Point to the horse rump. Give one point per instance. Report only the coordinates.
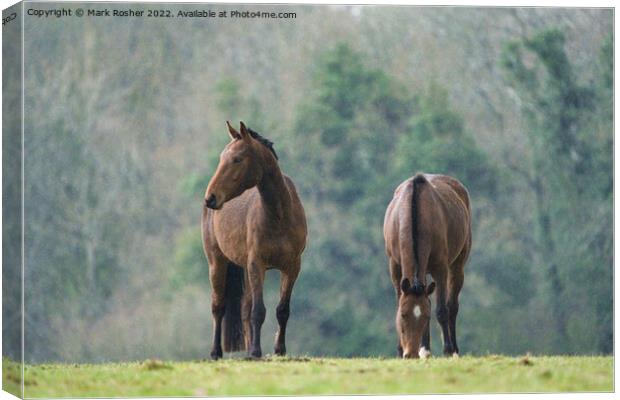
(232, 325)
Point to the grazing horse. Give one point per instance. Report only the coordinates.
(252, 220)
(427, 230)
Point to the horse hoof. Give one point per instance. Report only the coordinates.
(424, 353)
(216, 355)
(256, 354)
(455, 355)
(280, 350)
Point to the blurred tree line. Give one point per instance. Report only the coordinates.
(129, 125)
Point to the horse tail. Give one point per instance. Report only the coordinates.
(232, 325)
(417, 183)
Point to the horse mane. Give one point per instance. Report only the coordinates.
(264, 141)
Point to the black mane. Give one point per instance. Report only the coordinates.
(264, 141)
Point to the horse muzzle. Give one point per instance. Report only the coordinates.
(410, 355)
(211, 202)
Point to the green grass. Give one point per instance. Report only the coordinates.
(289, 376)
(11, 377)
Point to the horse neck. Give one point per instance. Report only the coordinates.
(273, 191)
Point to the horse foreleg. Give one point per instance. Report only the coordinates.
(425, 346)
(256, 274)
(287, 281)
(217, 276)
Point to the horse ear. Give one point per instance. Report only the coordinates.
(244, 131)
(232, 132)
(405, 285)
(430, 289)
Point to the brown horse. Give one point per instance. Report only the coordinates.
(427, 230)
(252, 220)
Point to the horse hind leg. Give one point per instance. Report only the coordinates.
(287, 281)
(246, 314)
(232, 326)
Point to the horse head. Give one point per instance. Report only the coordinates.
(413, 316)
(238, 170)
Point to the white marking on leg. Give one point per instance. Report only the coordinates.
(424, 353)
(417, 312)
(455, 355)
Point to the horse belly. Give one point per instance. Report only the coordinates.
(278, 250)
(234, 248)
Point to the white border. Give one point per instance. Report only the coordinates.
(477, 3)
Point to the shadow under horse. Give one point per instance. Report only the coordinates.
(252, 221)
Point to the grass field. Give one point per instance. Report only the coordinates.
(294, 376)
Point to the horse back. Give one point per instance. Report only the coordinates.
(297, 209)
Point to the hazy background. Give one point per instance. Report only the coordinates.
(125, 119)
